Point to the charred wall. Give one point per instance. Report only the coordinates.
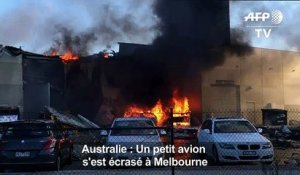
(83, 93)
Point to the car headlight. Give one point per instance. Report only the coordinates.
(226, 146)
(266, 146)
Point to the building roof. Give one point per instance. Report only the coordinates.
(17, 51)
(13, 51)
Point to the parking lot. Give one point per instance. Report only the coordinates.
(138, 131)
(241, 169)
(286, 162)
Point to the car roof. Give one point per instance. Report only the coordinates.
(133, 119)
(228, 119)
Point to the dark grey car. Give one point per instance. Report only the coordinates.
(34, 143)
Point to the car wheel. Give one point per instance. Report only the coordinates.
(57, 166)
(215, 155)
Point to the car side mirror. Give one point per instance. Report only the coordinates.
(206, 130)
(103, 133)
(163, 132)
(260, 130)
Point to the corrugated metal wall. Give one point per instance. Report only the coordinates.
(11, 81)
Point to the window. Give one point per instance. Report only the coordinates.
(26, 130)
(207, 125)
(134, 127)
(233, 127)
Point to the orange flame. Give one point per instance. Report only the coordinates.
(133, 111)
(181, 109)
(68, 56)
(180, 106)
(106, 56)
(159, 112)
(156, 112)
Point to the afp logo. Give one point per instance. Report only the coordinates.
(266, 20)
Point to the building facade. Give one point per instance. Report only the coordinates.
(265, 79)
(30, 81)
(11, 79)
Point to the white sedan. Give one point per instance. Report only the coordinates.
(131, 133)
(234, 140)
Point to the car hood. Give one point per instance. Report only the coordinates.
(239, 138)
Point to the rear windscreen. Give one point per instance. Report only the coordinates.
(134, 126)
(26, 130)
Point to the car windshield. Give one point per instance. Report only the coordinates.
(233, 127)
(128, 125)
(26, 130)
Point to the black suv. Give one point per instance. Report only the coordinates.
(34, 143)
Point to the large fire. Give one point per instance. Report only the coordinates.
(66, 57)
(160, 112)
(156, 112)
(181, 104)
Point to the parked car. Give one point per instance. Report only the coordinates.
(34, 143)
(234, 140)
(130, 132)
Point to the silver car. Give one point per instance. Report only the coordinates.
(131, 133)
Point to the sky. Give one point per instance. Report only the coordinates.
(32, 24)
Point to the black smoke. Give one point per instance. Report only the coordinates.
(109, 26)
(67, 39)
(194, 37)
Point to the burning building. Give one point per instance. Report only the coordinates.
(32, 81)
(147, 76)
(194, 36)
(264, 79)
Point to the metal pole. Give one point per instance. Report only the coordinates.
(172, 135)
(171, 125)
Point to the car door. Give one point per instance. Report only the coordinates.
(205, 139)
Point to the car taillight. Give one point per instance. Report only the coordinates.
(49, 144)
